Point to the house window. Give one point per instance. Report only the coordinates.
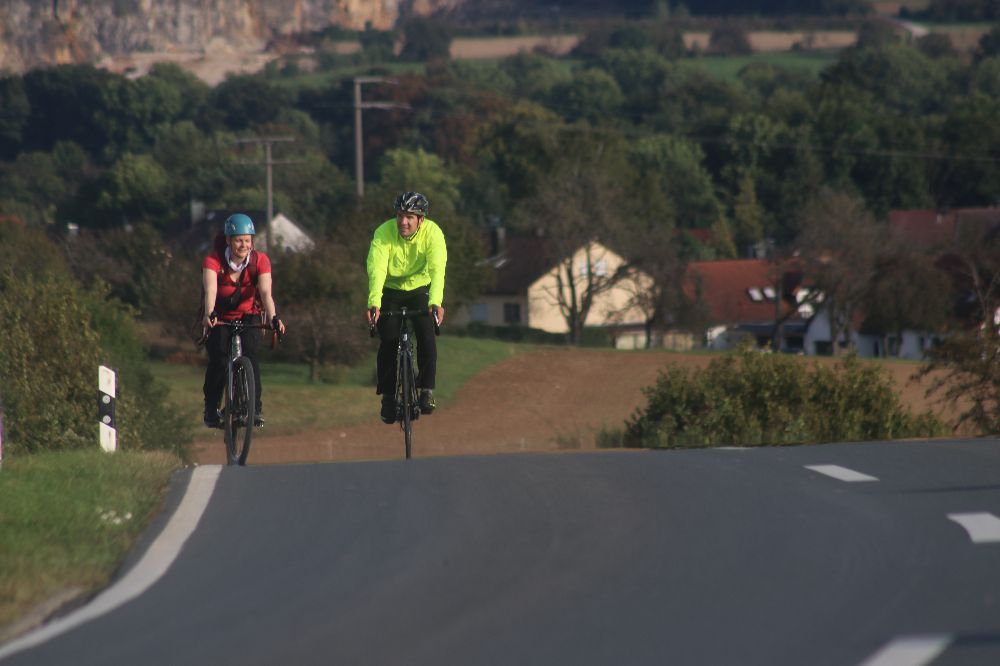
(769, 293)
(755, 294)
(479, 312)
(512, 313)
(599, 268)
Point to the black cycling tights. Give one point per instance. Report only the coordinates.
(388, 328)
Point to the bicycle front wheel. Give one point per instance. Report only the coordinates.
(241, 410)
(406, 402)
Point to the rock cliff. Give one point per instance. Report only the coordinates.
(36, 33)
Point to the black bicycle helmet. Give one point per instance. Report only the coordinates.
(412, 202)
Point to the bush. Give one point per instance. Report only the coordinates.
(48, 365)
(143, 417)
(750, 398)
(56, 337)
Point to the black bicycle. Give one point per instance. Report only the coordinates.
(407, 394)
(240, 409)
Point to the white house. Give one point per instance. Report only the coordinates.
(284, 234)
(526, 291)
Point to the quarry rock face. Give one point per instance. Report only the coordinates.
(37, 33)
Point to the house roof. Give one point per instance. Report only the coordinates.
(291, 236)
(522, 260)
(736, 291)
(932, 228)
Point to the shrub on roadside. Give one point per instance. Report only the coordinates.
(143, 417)
(56, 336)
(749, 398)
(48, 365)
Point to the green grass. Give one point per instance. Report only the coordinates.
(294, 404)
(68, 518)
(728, 67)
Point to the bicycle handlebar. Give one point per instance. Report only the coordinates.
(240, 325)
(405, 312)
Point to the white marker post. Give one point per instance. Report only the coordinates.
(106, 408)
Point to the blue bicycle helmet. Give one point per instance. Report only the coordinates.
(239, 225)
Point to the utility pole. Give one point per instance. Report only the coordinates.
(359, 160)
(267, 142)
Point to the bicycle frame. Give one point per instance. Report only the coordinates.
(240, 395)
(407, 409)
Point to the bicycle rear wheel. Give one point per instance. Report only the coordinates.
(406, 403)
(241, 410)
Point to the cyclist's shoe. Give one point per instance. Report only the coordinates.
(388, 412)
(258, 420)
(213, 419)
(427, 404)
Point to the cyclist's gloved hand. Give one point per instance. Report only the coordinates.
(278, 325)
(438, 313)
(371, 315)
(210, 319)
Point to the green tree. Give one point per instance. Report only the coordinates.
(323, 291)
(78, 103)
(425, 39)
(679, 165)
(534, 75)
(747, 214)
(909, 292)
(838, 242)
(729, 40)
(971, 134)
(376, 45)
(592, 95)
(244, 102)
(135, 189)
(15, 110)
(519, 148)
(966, 366)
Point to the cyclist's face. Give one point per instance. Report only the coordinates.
(240, 246)
(408, 223)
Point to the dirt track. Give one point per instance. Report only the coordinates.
(549, 400)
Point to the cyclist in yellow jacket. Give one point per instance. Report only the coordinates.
(406, 264)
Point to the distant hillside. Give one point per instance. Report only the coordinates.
(36, 33)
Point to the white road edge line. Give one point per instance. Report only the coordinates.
(982, 527)
(909, 651)
(157, 559)
(841, 473)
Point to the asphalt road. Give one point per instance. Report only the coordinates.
(847, 555)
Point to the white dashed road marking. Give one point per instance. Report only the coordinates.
(909, 651)
(841, 473)
(982, 527)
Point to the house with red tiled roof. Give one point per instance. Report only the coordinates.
(935, 229)
(750, 298)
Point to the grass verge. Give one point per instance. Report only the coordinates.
(68, 518)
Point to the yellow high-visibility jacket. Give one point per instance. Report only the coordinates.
(406, 263)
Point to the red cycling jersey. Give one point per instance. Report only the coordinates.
(249, 303)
